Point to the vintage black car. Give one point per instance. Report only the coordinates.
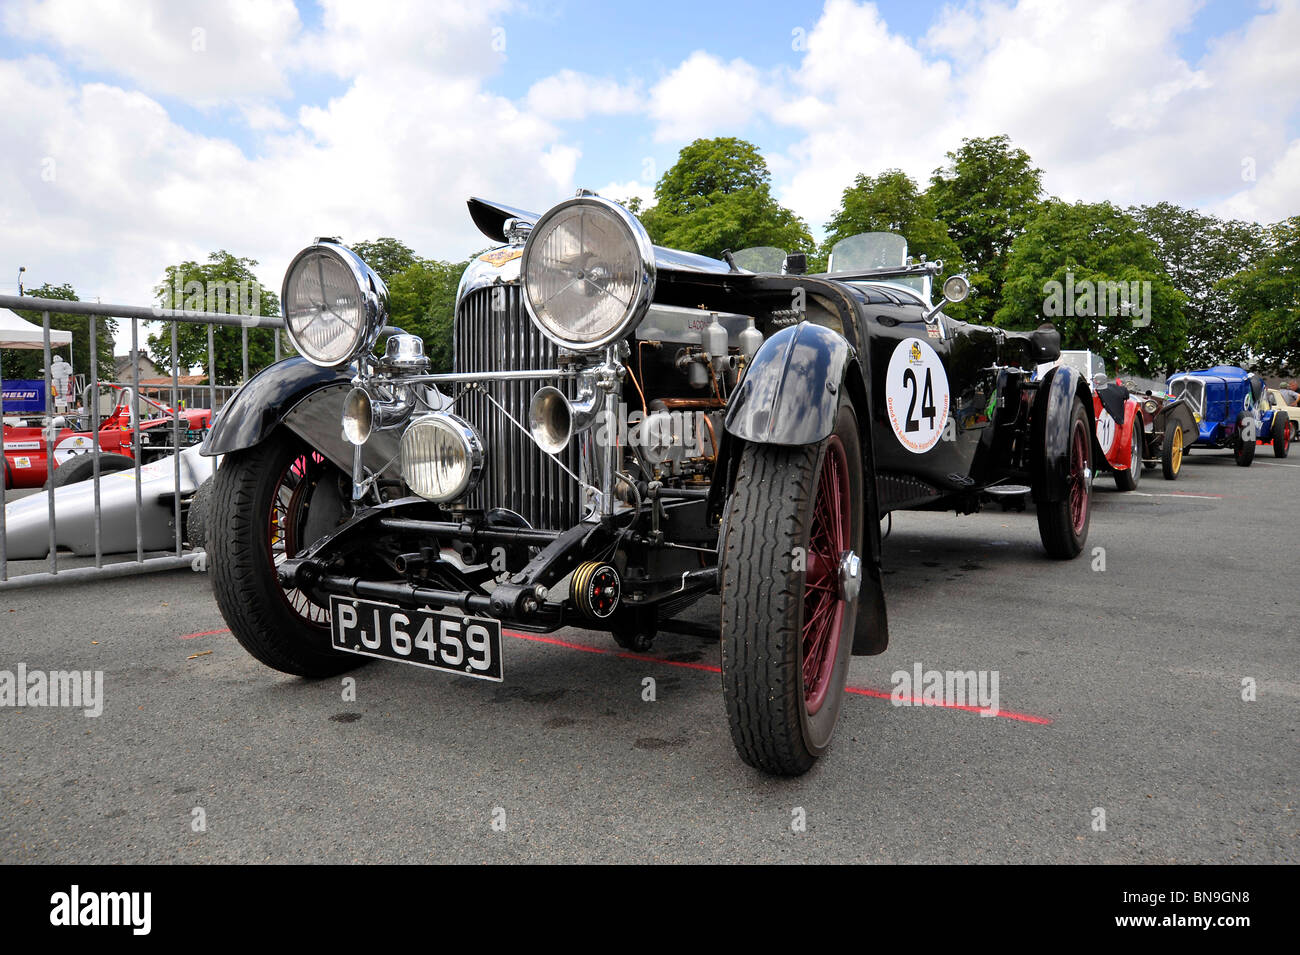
(626, 428)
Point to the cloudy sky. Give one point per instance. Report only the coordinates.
(138, 133)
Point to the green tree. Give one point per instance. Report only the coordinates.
(1268, 295)
(225, 284)
(421, 301)
(986, 194)
(1059, 270)
(892, 202)
(718, 196)
(386, 255)
(30, 363)
(1198, 251)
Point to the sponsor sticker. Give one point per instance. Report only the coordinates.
(22, 462)
(916, 395)
(22, 445)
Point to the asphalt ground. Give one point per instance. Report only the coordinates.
(1121, 692)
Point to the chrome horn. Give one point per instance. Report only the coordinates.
(553, 419)
(364, 414)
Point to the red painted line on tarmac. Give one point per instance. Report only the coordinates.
(709, 668)
(205, 633)
(917, 701)
(553, 641)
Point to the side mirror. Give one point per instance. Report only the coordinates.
(955, 289)
(796, 263)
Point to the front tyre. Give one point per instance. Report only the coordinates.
(262, 498)
(794, 520)
(1063, 523)
(1243, 452)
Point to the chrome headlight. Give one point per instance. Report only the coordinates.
(334, 304)
(442, 457)
(588, 273)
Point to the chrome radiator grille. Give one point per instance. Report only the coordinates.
(493, 333)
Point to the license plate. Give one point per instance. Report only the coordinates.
(470, 646)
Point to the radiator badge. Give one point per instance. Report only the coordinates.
(500, 257)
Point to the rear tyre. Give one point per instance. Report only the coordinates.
(82, 468)
(1128, 480)
(1281, 436)
(1171, 455)
(261, 501)
(1063, 524)
(787, 625)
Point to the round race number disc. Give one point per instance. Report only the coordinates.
(1105, 431)
(916, 395)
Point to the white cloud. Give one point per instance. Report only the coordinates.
(568, 95)
(449, 39)
(705, 97)
(1275, 195)
(199, 51)
(632, 189)
(397, 153)
(1099, 96)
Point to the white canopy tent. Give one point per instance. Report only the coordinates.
(17, 332)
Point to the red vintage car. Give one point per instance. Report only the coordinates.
(1119, 440)
(27, 448)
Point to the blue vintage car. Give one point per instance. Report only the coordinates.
(1226, 401)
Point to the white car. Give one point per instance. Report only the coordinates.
(1286, 402)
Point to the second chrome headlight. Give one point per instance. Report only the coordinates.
(442, 457)
(588, 272)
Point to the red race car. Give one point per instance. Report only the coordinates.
(27, 449)
(1119, 439)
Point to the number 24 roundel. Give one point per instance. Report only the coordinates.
(916, 395)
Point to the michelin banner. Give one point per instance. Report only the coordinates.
(24, 397)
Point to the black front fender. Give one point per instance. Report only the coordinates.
(790, 395)
(790, 392)
(256, 409)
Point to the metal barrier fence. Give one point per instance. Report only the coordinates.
(175, 393)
